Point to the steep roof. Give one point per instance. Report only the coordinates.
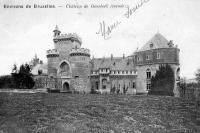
(116, 63)
(158, 41)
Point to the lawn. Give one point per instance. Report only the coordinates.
(87, 113)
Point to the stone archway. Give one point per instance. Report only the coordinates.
(66, 86)
(64, 69)
(104, 84)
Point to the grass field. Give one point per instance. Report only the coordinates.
(78, 113)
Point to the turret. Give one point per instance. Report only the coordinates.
(80, 60)
(56, 32)
(53, 61)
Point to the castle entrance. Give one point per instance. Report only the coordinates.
(66, 87)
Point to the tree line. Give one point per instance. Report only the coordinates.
(21, 78)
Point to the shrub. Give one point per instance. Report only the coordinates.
(162, 83)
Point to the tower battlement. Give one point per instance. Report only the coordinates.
(52, 53)
(69, 36)
(80, 51)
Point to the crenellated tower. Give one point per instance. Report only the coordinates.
(68, 63)
(80, 65)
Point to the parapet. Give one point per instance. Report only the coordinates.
(52, 53)
(70, 36)
(80, 52)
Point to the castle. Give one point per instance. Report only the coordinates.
(71, 68)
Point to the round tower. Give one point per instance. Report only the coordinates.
(80, 59)
(65, 42)
(52, 61)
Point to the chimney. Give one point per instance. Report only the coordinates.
(111, 57)
(123, 56)
(171, 44)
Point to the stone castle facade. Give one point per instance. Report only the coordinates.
(71, 68)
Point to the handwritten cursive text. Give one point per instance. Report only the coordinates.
(105, 31)
(130, 11)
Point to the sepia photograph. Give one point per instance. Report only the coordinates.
(100, 66)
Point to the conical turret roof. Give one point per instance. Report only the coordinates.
(157, 41)
(56, 28)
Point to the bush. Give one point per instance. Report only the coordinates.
(163, 81)
(23, 79)
(6, 81)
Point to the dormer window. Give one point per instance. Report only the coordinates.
(151, 45)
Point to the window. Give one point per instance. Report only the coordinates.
(97, 85)
(148, 86)
(151, 45)
(138, 58)
(147, 57)
(39, 72)
(104, 83)
(158, 56)
(148, 74)
(64, 67)
(133, 84)
(127, 63)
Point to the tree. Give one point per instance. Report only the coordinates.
(23, 78)
(197, 74)
(163, 81)
(14, 70)
(6, 81)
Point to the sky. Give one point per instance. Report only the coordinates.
(26, 32)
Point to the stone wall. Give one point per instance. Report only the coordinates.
(167, 55)
(81, 85)
(64, 48)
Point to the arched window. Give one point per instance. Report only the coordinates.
(64, 69)
(148, 74)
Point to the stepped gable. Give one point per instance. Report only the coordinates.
(116, 63)
(158, 41)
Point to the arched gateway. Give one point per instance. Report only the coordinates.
(66, 86)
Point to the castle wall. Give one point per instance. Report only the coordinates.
(124, 82)
(64, 47)
(114, 83)
(141, 81)
(167, 55)
(52, 66)
(80, 71)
